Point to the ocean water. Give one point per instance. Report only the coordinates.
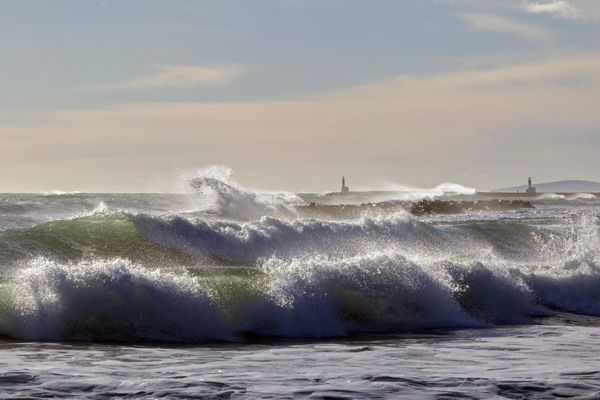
(225, 292)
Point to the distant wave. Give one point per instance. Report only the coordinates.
(61, 193)
(554, 198)
(551, 196)
(408, 192)
(439, 190)
(582, 196)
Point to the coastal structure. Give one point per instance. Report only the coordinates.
(530, 189)
(345, 189)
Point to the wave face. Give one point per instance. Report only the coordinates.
(164, 268)
(113, 301)
(315, 297)
(146, 238)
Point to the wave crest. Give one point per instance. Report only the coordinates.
(220, 194)
(301, 297)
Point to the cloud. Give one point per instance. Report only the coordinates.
(564, 9)
(181, 77)
(556, 8)
(496, 23)
(504, 122)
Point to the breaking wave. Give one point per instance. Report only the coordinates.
(417, 193)
(161, 239)
(248, 265)
(220, 194)
(60, 193)
(106, 301)
(308, 297)
(582, 196)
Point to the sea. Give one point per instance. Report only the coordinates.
(220, 291)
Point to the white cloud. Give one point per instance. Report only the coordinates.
(496, 23)
(556, 8)
(565, 9)
(505, 122)
(181, 77)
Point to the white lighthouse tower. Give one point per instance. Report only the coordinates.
(530, 189)
(345, 189)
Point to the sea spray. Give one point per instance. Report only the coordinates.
(143, 237)
(116, 300)
(109, 300)
(218, 192)
(119, 301)
(137, 268)
(376, 292)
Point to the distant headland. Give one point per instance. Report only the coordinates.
(565, 187)
(571, 186)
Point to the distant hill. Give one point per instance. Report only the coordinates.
(576, 186)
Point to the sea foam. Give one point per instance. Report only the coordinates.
(218, 192)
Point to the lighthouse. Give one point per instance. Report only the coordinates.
(530, 189)
(345, 189)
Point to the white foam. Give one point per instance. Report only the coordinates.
(60, 193)
(582, 196)
(314, 278)
(314, 296)
(99, 210)
(409, 192)
(551, 196)
(219, 193)
(115, 300)
(377, 292)
(108, 300)
(269, 236)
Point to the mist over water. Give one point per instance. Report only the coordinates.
(221, 263)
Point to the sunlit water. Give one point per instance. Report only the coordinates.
(225, 292)
(516, 362)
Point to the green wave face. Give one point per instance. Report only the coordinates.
(176, 242)
(233, 288)
(101, 236)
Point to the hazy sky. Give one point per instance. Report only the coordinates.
(292, 94)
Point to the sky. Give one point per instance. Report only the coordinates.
(128, 96)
